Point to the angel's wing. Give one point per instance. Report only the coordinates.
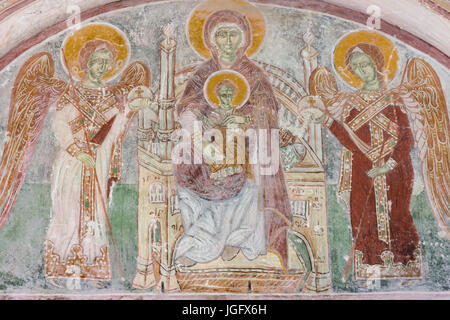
(34, 91)
(136, 74)
(426, 105)
(323, 84)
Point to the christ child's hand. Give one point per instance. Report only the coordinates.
(234, 119)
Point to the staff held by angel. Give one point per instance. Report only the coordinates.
(376, 172)
(89, 124)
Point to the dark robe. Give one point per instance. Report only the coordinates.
(402, 238)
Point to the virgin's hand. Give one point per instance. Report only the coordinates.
(378, 171)
(234, 119)
(86, 159)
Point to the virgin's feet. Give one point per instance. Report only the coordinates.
(229, 253)
(185, 262)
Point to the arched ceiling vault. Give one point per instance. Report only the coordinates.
(423, 24)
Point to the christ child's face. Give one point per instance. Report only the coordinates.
(363, 66)
(99, 64)
(228, 39)
(226, 96)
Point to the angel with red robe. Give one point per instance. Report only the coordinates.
(90, 122)
(376, 172)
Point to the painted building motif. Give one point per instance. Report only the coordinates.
(224, 147)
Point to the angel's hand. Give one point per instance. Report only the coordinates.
(406, 87)
(317, 116)
(85, 158)
(397, 94)
(286, 138)
(139, 103)
(320, 119)
(378, 171)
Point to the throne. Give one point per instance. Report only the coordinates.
(159, 218)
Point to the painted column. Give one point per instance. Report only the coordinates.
(167, 92)
(309, 56)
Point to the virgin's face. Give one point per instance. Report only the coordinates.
(363, 66)
(99, 64)
(228, 39)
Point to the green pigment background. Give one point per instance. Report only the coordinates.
(21, 243)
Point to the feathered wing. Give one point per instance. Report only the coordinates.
(136, 74)
(323, 84)
(34, 91)
(425, 102)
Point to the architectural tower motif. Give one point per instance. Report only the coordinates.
(307, 188)
(309, 57)
(157, 211)
(159, 219)
(167, 92)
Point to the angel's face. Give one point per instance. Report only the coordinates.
(363, 66)
(99, 64)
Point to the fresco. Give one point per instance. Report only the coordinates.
(224, 147)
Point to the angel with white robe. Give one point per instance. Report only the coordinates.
(90, 122)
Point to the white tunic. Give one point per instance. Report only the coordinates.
(210, 226)
(63, 231)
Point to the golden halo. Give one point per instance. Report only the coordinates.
(76, 40)
(243, 88)
(203, 10)
(370, 37)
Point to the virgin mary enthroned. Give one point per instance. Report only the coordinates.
(249, 210)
